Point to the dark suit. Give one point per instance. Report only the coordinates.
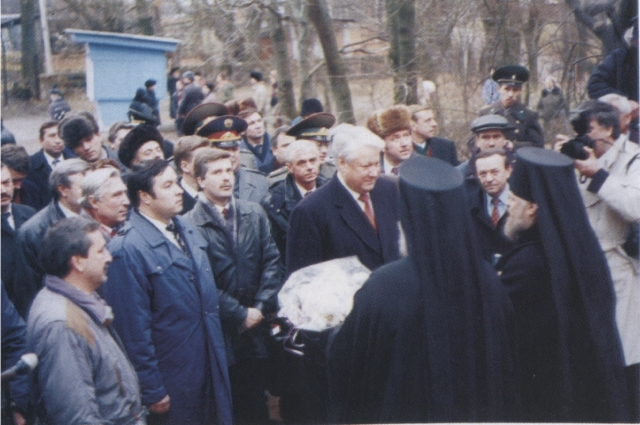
(250, 185)
(284, 198)
(491, 238)
(188, 201)
(526, 129)
(440, 148)
(40, 171)
(330, 224)
(15, 274)
(31, 233)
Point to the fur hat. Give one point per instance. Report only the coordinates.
(73, 129)
(137, 137)
(387, 121)
(256, 75)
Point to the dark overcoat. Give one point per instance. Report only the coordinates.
(526, 130)
(330, 224)
(16, 276)
(246, 270)
(440, 148)
(40, 171)
(166, 313)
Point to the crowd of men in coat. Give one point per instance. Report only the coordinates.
(144, 274)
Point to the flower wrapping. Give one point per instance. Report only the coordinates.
(320, 296)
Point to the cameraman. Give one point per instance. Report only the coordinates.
(610, 186)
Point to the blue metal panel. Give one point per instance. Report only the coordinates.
(110, 111)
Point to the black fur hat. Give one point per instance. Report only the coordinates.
(73, 129)
(137, 137)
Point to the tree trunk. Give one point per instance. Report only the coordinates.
(252, 44)
(304, 36)
(30, 61)
(319, 14)
(402, 52)
(145, 22)
(286, 98)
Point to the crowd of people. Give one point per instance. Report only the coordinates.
(144, 274)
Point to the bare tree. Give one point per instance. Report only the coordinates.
(286, 98)
(30, 62)
(402, 52)
(319, 13)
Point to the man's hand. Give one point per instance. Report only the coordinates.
(254, 316)
(162, 406)
(19, 419)
(589, 166)
(561, 139)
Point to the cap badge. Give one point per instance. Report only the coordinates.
(228, 123)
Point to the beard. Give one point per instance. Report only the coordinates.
(513, 228)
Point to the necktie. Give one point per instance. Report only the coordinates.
(55, 162)
(113, 233)
(394, 171)
(225, 213)
(368, 211)
(173, 229)
(495, 214)
(5, 220)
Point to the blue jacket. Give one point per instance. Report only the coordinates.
(166, 312)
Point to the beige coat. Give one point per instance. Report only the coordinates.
(610, 211)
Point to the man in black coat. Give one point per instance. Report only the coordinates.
(570, 362)
(25, 191)
(525, 129)
(423, 131)
(618, 72)
(302, 160)
(42, 162)
(64, 183)
(488, 196)
(245, 264)
(21, 288)
(191, 95)
(353, 214)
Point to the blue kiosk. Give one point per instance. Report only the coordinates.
(118, 64)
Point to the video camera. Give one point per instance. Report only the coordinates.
(574, 148)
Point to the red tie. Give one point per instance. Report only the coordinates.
(394, 171)
(225, 213)
(495, 214)
(368, 211)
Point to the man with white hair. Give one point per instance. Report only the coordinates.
(628, 114)
(105, 200)
(355, 213)
(302, 162)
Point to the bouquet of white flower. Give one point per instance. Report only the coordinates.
(320, 296)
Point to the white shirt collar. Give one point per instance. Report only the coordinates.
(66, 211)
(353, 193)
(162, 227)
(191, 191)
(386, 165)
(302, 190)
(50, 159)
(10, 219)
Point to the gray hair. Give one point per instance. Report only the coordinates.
(94, 184)
(349, 139)
(297, 146)
(618, 101)
(60, 175)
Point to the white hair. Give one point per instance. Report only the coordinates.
(618, 101)
(297, 146)
(94, 184)
(348, 140)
